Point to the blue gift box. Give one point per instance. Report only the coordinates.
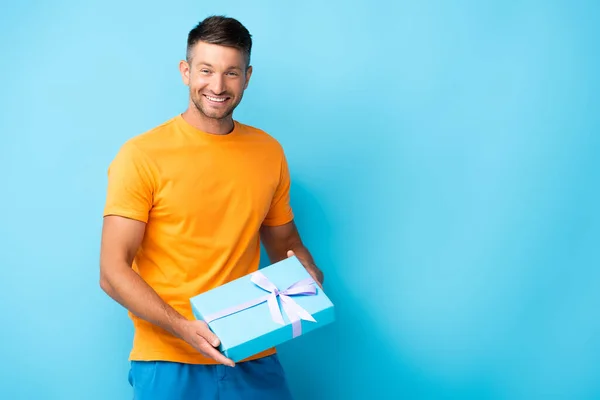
(251, 330)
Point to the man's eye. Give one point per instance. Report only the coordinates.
(205, 71)
(233, 74)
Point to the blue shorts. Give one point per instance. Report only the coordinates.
(260, 379)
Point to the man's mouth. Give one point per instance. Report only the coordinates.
(216, 99)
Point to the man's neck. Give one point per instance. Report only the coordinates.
(209, 125)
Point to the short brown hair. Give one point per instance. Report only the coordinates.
(223, 31)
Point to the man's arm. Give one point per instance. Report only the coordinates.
(284, 241)
(121, 238)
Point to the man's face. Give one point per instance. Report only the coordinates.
(217, 78)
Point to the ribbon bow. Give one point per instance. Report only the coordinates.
(294, 312)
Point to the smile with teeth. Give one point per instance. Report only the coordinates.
(216, 99)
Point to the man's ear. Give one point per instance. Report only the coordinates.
(248, 75)
(184, 69)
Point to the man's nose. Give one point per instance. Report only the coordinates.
(217, 85)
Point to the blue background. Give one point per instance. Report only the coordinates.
(445, 165)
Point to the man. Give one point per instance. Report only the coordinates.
(188, 203)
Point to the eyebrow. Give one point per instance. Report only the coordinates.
(202, 63)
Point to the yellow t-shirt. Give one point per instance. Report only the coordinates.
(204, 198)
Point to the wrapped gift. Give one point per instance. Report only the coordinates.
(264, 309)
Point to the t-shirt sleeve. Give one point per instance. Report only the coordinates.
(131, 184)
(280, 211)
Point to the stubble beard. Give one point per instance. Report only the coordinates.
(213, 114)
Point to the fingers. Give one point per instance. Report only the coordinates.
(316, 279)
(207, 343)
(310, 270)
(204, 331)
(209, 351)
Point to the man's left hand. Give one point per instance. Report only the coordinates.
(312, 269)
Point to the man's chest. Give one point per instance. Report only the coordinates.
(216, 187)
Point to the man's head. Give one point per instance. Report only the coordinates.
(217, 67)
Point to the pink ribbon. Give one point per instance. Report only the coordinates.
(294, 312)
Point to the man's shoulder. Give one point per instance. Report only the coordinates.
(262, 135)
(148, 143)
(153, 137)
(145, 146)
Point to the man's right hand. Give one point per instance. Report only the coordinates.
(198, 335)
(121, 238)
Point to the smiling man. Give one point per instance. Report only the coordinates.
(187, 206)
